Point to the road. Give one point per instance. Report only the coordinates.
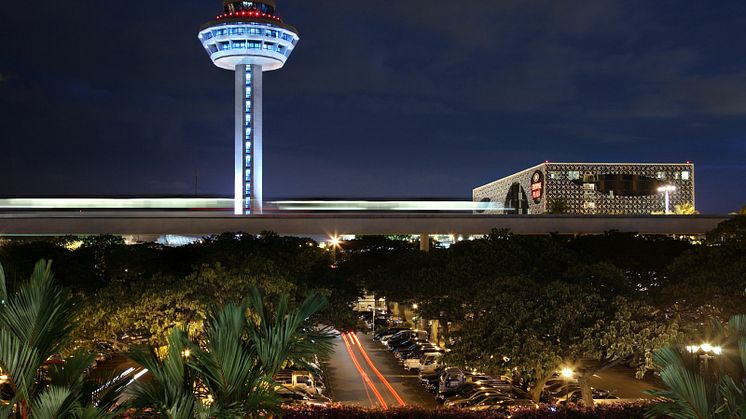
(622, 383)
(361, 372)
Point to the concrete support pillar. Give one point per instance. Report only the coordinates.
(239, 200)
(425, 242)
(248, 139)
(434, 329)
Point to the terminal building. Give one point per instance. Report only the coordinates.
(592, 188)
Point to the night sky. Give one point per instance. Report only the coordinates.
(405, 98)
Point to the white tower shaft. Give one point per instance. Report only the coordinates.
(248, 140)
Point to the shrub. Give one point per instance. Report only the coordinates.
(614, 411)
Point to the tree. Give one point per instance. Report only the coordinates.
(228, 371)
(36, 323)
(557, 206)
(535, 329)
(685, 209)
(128, 313)
(627, 331)
(709, 281)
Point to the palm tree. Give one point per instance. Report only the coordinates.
(36, 324)
(695, 393)
(228, 372)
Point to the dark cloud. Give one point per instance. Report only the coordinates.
(408, 98)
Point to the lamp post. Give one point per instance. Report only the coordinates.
(335, 244)
(705, 351)
(667, 189)
(567, 375)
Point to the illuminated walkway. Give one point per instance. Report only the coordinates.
(364, 373)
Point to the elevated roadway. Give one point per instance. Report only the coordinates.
(195, 223)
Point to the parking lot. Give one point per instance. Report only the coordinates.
(351, 385)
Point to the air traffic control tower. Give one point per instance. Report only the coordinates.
(248, 38)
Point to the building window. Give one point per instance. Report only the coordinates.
(685, 175)
(661, 175)
(573, 175)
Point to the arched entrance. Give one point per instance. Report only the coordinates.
(516, 201)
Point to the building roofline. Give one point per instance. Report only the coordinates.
(621, 163)
(510, 176)
(549, 163)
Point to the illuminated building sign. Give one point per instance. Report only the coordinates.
(537, 186)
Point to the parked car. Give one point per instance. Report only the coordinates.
(301, 380)
(387, 332)
(431, 379)
(502, 405)
(418, 351)
(295, 396)
(405, 335)
(428, 362)
(416, 363)
(575, 396)
(476, 395)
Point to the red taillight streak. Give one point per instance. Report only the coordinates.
(363, 373)
(378, 373)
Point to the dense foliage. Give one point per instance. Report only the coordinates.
(133, 294)
(226, 370)
(543, 412)
(529, 305)
(525, 304)
(36, 322)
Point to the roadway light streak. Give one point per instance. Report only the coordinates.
(386, 206)
(378, 373)
(363, 373)
(223, 204)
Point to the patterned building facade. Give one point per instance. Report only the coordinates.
(591, 188)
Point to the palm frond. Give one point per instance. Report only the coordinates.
(54, 402)
(40, 313)
(687, 394)
(20, 362)
(279, 338)
(3, 286)
(734, 398)
(737, 326)
(91, 412)
(172, 380)
(72, 373)
(742, 350)
(227, 364)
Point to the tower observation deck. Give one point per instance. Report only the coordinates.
(249, 38)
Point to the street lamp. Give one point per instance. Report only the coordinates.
(667, 189)
(567, 375)
(705, 351)
(335, 244)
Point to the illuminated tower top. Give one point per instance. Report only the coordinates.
(249, 32)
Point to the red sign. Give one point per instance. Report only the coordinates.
(537, 186)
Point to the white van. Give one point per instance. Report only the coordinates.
(428, 362)
(301, 380)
